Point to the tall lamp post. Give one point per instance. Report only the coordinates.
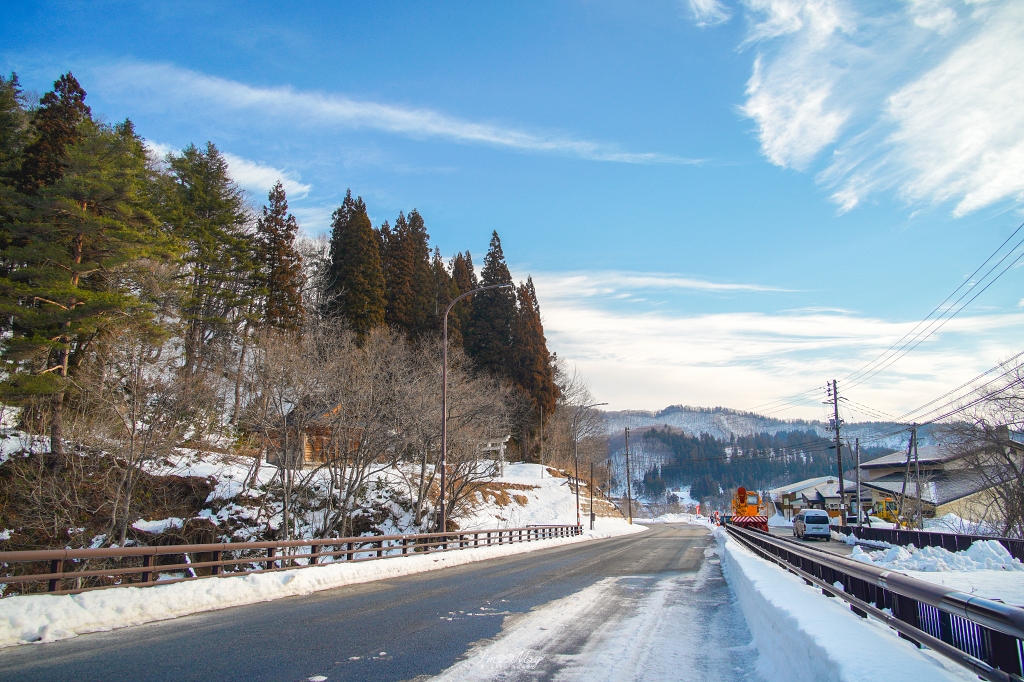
(576, 455)
(442, 526)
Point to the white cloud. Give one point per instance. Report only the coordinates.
(709, 12)
(251, 175)
(618, 284)
(648, 360)
(923, 98)
(182, 87)
(259, 178)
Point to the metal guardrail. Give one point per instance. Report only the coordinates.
(27, 571)
(954, 542)
(982, 635)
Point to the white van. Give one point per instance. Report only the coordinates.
(812, 523)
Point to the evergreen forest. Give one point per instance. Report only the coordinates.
(715, 468)
(148, 303)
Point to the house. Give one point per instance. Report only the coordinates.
(949, 483)
(813, 493)
(309, 439)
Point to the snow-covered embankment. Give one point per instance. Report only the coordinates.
(801, 634)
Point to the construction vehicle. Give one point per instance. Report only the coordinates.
(887, 510)
(748, 510)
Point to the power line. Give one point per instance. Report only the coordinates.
(966, 282)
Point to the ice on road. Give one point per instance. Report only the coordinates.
(652, 627)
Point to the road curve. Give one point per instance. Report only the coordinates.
(396, 629)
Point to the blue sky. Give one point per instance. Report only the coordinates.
(721, 201)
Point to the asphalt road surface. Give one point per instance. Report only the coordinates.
(421, 625)
(840, 548)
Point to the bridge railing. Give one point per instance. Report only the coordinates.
(982, 635)
(70, 571)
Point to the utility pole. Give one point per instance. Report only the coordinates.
(629, 492)
(542, 441)
(591, 496)
(839, 455)
(860, 512)
(919, 510)
(906, 472)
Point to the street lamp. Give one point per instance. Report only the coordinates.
(576, 456)
(444, 396)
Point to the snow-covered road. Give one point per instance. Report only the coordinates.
(654, 628)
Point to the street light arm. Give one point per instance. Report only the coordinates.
(473, 291)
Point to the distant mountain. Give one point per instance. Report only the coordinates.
(722, 423)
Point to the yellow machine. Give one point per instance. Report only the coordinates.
(748, 510)
(886, 510)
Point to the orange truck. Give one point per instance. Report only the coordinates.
(748, 510)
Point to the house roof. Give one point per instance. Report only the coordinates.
(807, 483)
(926, 454)
(939, 489)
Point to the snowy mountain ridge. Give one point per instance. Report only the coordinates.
(723, 422)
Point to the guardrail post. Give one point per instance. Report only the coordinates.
(147, 562)
(405, 546)
(56, 566)
(267, 565)
(313, 559)
(216, 569)
(349, 554)
(1003, 651)
(380, 549)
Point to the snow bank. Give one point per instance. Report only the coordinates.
(803, 635)
(46, 618)
(982, 555)
(157, 526)
(779, 521)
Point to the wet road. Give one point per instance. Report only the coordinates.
(649, 606)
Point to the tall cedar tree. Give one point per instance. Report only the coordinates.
(209, 213)
(279, 265)
(408, 280)
(489, 337)
(464, 279)
(355, 289)
(57, 126)
(14, 135)
(532, 368)
(444, 291)
(74, 244)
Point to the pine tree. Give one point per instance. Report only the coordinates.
(14, 134)
(208, 211)
(489, 337)
(57, 126)
(279, 274)
(405, 256)
(75, 245)
(464, 278)
(532, 368)
(444, 291)
(356, 279)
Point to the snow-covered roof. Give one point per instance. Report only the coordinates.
(937, 488)
(927, 454)
(806, 484)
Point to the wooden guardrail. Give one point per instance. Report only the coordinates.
(70, 571)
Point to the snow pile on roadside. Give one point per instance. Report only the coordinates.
(803, 635)
(46, 618)
(695, 519)
(951, 523)
(982, 555)
(779, 521)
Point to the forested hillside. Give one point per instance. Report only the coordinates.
(713, 467)
(147, 310)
